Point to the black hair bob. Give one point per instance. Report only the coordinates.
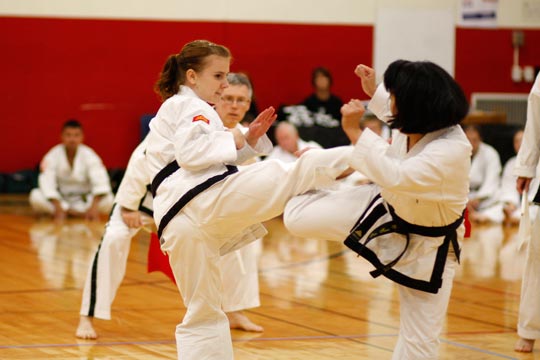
(426, 97)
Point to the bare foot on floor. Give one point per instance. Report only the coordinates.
(237, 320)
(85, 330)
(524, 345)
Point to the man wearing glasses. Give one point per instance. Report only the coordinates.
(240, 267)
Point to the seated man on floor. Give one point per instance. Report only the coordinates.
(73, 180)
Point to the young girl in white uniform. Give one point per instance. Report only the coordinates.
(133, 210)
(204, 205)
(408, 223)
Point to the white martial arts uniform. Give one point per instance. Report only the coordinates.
(108, 267)
(107, 270)
(240, 268)
(527, 161)
(425, 188)
(188, 131)
(485, 182)
(74, 187)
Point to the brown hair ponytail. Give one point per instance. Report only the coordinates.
(192, 56)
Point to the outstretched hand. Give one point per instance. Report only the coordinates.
(367, 75)
(260, 125)
(351, 113)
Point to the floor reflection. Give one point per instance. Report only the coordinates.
(65, 249)
(304, 260)
(492, 251)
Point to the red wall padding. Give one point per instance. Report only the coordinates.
(102, 73)
(484, 59)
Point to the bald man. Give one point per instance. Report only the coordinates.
(288, 143)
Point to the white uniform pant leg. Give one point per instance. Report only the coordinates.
(108, 267)
(327, 214)
(422, 318)
(239, 272)
(529, 306)
(259, 192)
(194, 257)
(41, 205)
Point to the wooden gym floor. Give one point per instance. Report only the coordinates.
(318, 300)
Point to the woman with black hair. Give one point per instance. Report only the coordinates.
(408, 223)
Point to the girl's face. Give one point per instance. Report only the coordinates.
(209, 83)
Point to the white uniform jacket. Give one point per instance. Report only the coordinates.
(88, 175)
(509, 193)
(188, 130)
(529, 152)
(133, 193)
(425, 186)
(419, 184)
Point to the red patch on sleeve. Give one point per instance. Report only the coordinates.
(201, 118)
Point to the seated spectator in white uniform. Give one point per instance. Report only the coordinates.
(510, 197)
(73, 180)
(484, 204)
(288, 143)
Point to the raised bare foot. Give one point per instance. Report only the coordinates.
(524, 345)
(237, 320)
(85, 330)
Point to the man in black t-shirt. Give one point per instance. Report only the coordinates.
(318, 117)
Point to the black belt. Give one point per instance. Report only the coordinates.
(188, 196)
(536, 199)
(144, 209)
(398, 225)
(162, 175)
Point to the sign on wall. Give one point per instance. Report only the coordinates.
(478, 13)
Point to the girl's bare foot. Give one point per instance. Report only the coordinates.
(85, 330)
(237, 320)
(524, 345)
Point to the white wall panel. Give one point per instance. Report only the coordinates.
(297, 11)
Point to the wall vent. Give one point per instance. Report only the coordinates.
(512, 104)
